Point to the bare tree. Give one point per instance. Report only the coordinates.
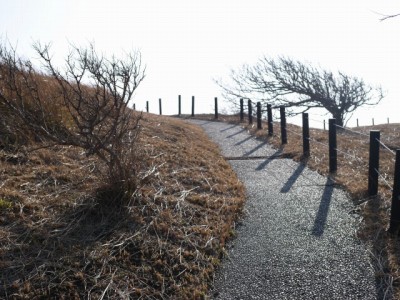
(300, 87)
(93, 93)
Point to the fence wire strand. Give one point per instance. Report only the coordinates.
(317, 121)
(384, 180)
(317, 142)
(352, 131)
(350, 155)
(326, 145)
(296, 133)
(386, 147)
(345, 153)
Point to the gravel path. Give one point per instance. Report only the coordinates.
(297, 240)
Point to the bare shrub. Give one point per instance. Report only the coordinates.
(85, 105)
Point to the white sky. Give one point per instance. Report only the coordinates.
(185, 43)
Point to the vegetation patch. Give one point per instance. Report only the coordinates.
(62, 237)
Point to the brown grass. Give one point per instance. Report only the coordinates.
(62, 238)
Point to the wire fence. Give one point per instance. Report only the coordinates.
(372, 140)
(254, 112)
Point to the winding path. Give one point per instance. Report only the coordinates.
(297, 240)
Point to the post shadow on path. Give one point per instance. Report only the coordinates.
(292, 179)
(323, 210)
(227, 128)
(256, 148)
(236, 133)
(244, 141)
(204, 122)
(263, 164)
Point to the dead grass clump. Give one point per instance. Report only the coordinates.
(62, 237)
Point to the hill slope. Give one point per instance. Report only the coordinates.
(61, 237)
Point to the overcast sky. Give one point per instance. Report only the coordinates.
(185, 44)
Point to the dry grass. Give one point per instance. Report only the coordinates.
(352, 175)
(62, 238)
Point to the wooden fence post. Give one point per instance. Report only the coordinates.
(241, 110)
(324, 125)
(374, 136)
(270, 123)
(283, 125)
(134, 106)
(160, 106)
(332, 146)
(259, 125)
(216, 107)
(192, 106)
(179, 105)
(250, 110)
(395, 210)
(306, 136)
(147, 106)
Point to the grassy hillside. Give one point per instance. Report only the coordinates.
(62, 238)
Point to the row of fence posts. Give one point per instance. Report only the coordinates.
(180, 106)
(250, 112)
(373, 172)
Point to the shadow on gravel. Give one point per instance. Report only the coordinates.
(236, 133)
(292, 179)
(226, 129)
(244, 141)
(262, 165)
(256, 148)
(204, 122)
(322, 214)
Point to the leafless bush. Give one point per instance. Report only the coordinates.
(28, 104)
(84, 105)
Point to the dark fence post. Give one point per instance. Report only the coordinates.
(283, 125)
(374, 136)
(332, 146)
(395, 210)
(270, 123)
(306, 136)
(250, 108)
(241, 110)
(147, 106)
(259, 125)
(216, 107)
(134, 106)
(159, 104)
(192, 106)
(179, 105)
